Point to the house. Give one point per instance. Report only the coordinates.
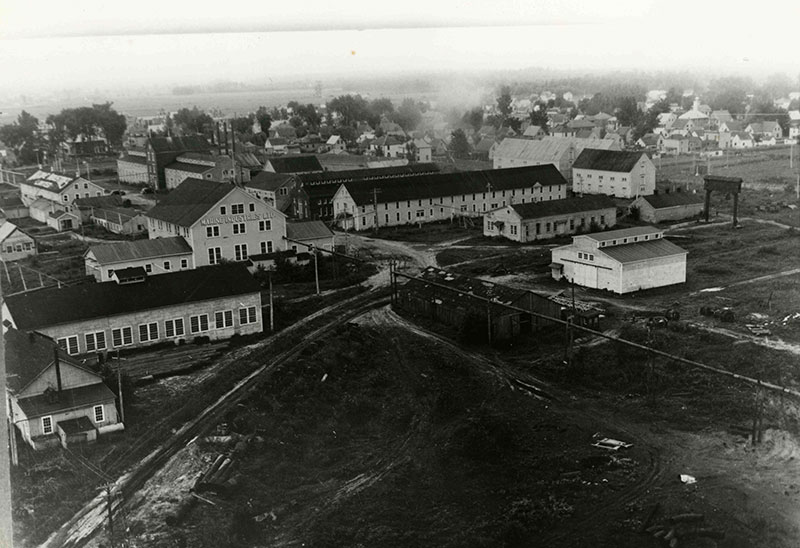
(54, 215)
(388, 146)
(794, 129)
(648, 141)
(695, 113)
(742, 139)
(441, 196)
(719, 116)
(305, 235)
(542, 220)
(673, 206)
(422, 151)
(11, 207)
(134, 309)
(159, 256)
(484, 150)
(120, 220)
(219, 221)
(293, 164)
(83, 145)
(14, 243)
(162, 151)
(196, 165)
(534, 132)
(52, 398)
(621, 261)
(335, 144)
(623, 174)
(674, 144)
(57, 188)
(280, 190)
(276, 145)
(730, 126)
(132, 168)
(559, 151)
(765, 130)
(319, 188)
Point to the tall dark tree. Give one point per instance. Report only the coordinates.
(112, 123)
(459, 145)
(22, 137)
(539, 117)
(194, 120)
(377, 109)
(408, 115)
(628, 113)
(264, 119)
(351, 108)
(504, 101)
(474, 117)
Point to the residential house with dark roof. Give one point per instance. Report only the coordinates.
(280, 190)
(541, 220)
(672, 206)
(218, 221)
(621, 261)
(441, 196)
(765, 130)
(622, 174)
(388, 146)
(134, 309)
(742, 139)
(276, 145)
(196, 165)
(53, 399)
(157, 256)
(162, 151)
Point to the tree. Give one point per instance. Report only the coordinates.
(628, 113)
(474, 117)
(539, 117)
(377, 109)
(22, 137)
(649, 121)
(243, 124)
(408, 115)
(112, 123)
(264, 119)
(194, 120)
(459, 144)
(504, 101)
(351, 108)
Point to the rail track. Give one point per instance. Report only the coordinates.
(91, 518)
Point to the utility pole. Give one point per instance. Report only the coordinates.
(6, 430)
(791, 155)
(119, 388)
(375, 192)
(316, 267)
(271, 306)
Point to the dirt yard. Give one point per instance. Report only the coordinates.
(385, 435)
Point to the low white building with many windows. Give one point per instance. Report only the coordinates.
(134, 309)
(160, 256)
(622, 174)
(218, 221)
(621, 261)
(442, 196)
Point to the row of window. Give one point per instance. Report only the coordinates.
(586, 256)
(97, 412)
(632, 239)
(148, 332)
(213, 231)
(26, 246)
(237, 209)
(166, 266)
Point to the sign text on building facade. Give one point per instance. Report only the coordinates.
(234, 218)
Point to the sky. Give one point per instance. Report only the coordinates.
(49, 45)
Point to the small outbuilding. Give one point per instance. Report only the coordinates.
(674, 206)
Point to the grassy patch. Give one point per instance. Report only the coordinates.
(428, 233)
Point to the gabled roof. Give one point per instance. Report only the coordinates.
(51, 306)
(437, 185)
(277, 141)
(295, 164)
(28, 354)
(187, 143)
(621, 233)
(607, 160)
(82, 396)
(247, 159)
(329, 177)
(642, 251)
(116, 214)
(532, 131)
(54, 182)
(547, 149)
(535, 210)
(110, 200)
(135, 250)
(672, 199)
(6, 230)
(266, 180)
(189, 201)
(141, 160)
(189, 168)
(307, 230)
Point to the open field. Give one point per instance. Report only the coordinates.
(384, 435)
(429, 233)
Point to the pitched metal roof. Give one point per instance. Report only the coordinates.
(141, 160)
(190, 168)
(308, 230)
(607, 160)
(438, 185)
(50, 306)
(187, 143)
(266, 180)
(126, 251)
(54, 182)
(189, 201)
(116, 214)
(6, 230)
(295, 164)
(673, 199)
(547, 149)
(535, 210)
(71, 398)
(621, 233)
(642, 251)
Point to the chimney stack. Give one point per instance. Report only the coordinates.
(58, 367)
